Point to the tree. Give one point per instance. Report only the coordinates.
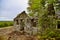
(46, 14)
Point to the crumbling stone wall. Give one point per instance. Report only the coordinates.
(25, 23)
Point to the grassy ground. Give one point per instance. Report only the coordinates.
(6, 23)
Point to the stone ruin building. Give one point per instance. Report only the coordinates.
(24, 25)
(23, 22)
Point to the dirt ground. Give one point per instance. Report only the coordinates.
(6, 30)
(14, 36)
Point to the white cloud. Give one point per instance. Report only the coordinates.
(10, 8)
(5, 19)
(8, 4)
(2, 17)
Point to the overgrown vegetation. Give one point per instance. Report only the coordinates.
(45, 11)
(6, 23)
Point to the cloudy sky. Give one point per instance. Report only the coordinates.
(10, 8)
